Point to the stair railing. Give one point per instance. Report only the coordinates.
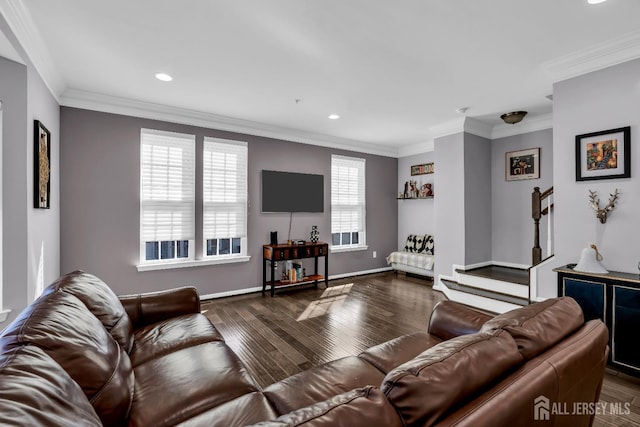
(537, 212)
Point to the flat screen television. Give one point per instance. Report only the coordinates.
(292, 192)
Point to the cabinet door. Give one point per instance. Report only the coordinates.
(626, 318)
(589, 295)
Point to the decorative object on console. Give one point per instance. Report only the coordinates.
(601, 214)
(315, 234)
(604, 155)
(522, 164)
(274, 238)
(513, 117)
(590, 261)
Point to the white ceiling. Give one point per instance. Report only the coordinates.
(394, 71)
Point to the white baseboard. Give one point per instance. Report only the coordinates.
(259, 288)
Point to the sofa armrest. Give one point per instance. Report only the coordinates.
(450, 319)
(147, 308)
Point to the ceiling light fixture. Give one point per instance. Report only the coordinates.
(334, 116)
(595, 1)
(164, 77)
(513, 117)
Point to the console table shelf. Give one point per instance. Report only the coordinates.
(283, 252)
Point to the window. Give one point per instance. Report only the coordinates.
(348, 208)
(167, 196)
(224, 198)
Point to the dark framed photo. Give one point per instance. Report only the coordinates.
(42, 166)
(422, 169)
(604, 155)
(522, 164)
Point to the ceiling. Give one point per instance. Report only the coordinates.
(395, 72)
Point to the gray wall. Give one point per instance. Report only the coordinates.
(511, 200)
(100, 211)
(605, 99)
(30, 236)
(477, 194)
(415, 216)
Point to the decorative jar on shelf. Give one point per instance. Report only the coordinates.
(315, 234)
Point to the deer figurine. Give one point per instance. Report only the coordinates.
(601, 214)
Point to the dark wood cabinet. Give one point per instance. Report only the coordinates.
(615, 298)
(283, 252)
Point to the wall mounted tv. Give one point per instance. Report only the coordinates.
(292, 192)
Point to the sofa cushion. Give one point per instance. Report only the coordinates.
(538, 326)
(365, 407)
(414, 243)
(101, 301)
(425, 387)
(61, 325)
(170, 335)
(239, 412)
(177, 386)
(429, 245)
(36, 391)
(322, 382)
(390, 354)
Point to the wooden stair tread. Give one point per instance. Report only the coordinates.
(501, 273)
(499, 296)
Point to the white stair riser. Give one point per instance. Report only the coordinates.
(482, 303)
(508, 288)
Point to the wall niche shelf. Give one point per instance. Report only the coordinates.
(414, 198)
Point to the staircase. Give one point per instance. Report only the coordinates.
(495, 288)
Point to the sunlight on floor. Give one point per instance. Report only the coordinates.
(331, 298)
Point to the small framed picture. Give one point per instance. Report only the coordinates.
(604, 155)
(42, 166)
(422, 169)
(522, 164)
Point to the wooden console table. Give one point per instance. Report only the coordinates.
(284, 252)
(614, 298)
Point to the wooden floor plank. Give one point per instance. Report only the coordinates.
(302, 328)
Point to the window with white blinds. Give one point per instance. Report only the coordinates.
(348, 207)
(224, 197)
(167, 196)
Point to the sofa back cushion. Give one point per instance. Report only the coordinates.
(35, 390)
(62, 326)
(420, 244)
(538, 326)
(448, 374)
(101, 301)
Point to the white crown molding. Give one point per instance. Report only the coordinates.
(414, 149)
(116, 105)
(31, 42)
(447, 128)
(596, 57)
(477, 127)
(531, 124)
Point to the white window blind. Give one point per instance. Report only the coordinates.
(167, 186)
(224, 194)
(347, 195)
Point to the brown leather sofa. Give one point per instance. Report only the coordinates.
(82, 356)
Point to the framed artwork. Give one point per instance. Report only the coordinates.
(604, 155)
(522, 164)
(41, 167)
(422, 169)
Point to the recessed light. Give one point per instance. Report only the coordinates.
(164, 77)
(334, 116)
(595, 1)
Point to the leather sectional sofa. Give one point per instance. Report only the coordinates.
(81, 356)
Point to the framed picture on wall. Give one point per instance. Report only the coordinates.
(604, 155)
(522, 164)
(422, 169)
(41, 167)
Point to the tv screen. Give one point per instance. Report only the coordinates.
(292, 192)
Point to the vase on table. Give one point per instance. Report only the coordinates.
(315, 234)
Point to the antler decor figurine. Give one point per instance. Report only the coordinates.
(601, 214)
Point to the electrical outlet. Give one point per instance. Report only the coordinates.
(375, 254)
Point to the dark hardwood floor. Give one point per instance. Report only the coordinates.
(301, 328)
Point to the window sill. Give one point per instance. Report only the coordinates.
(4, 314)
(193, 263)
(339, 249)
